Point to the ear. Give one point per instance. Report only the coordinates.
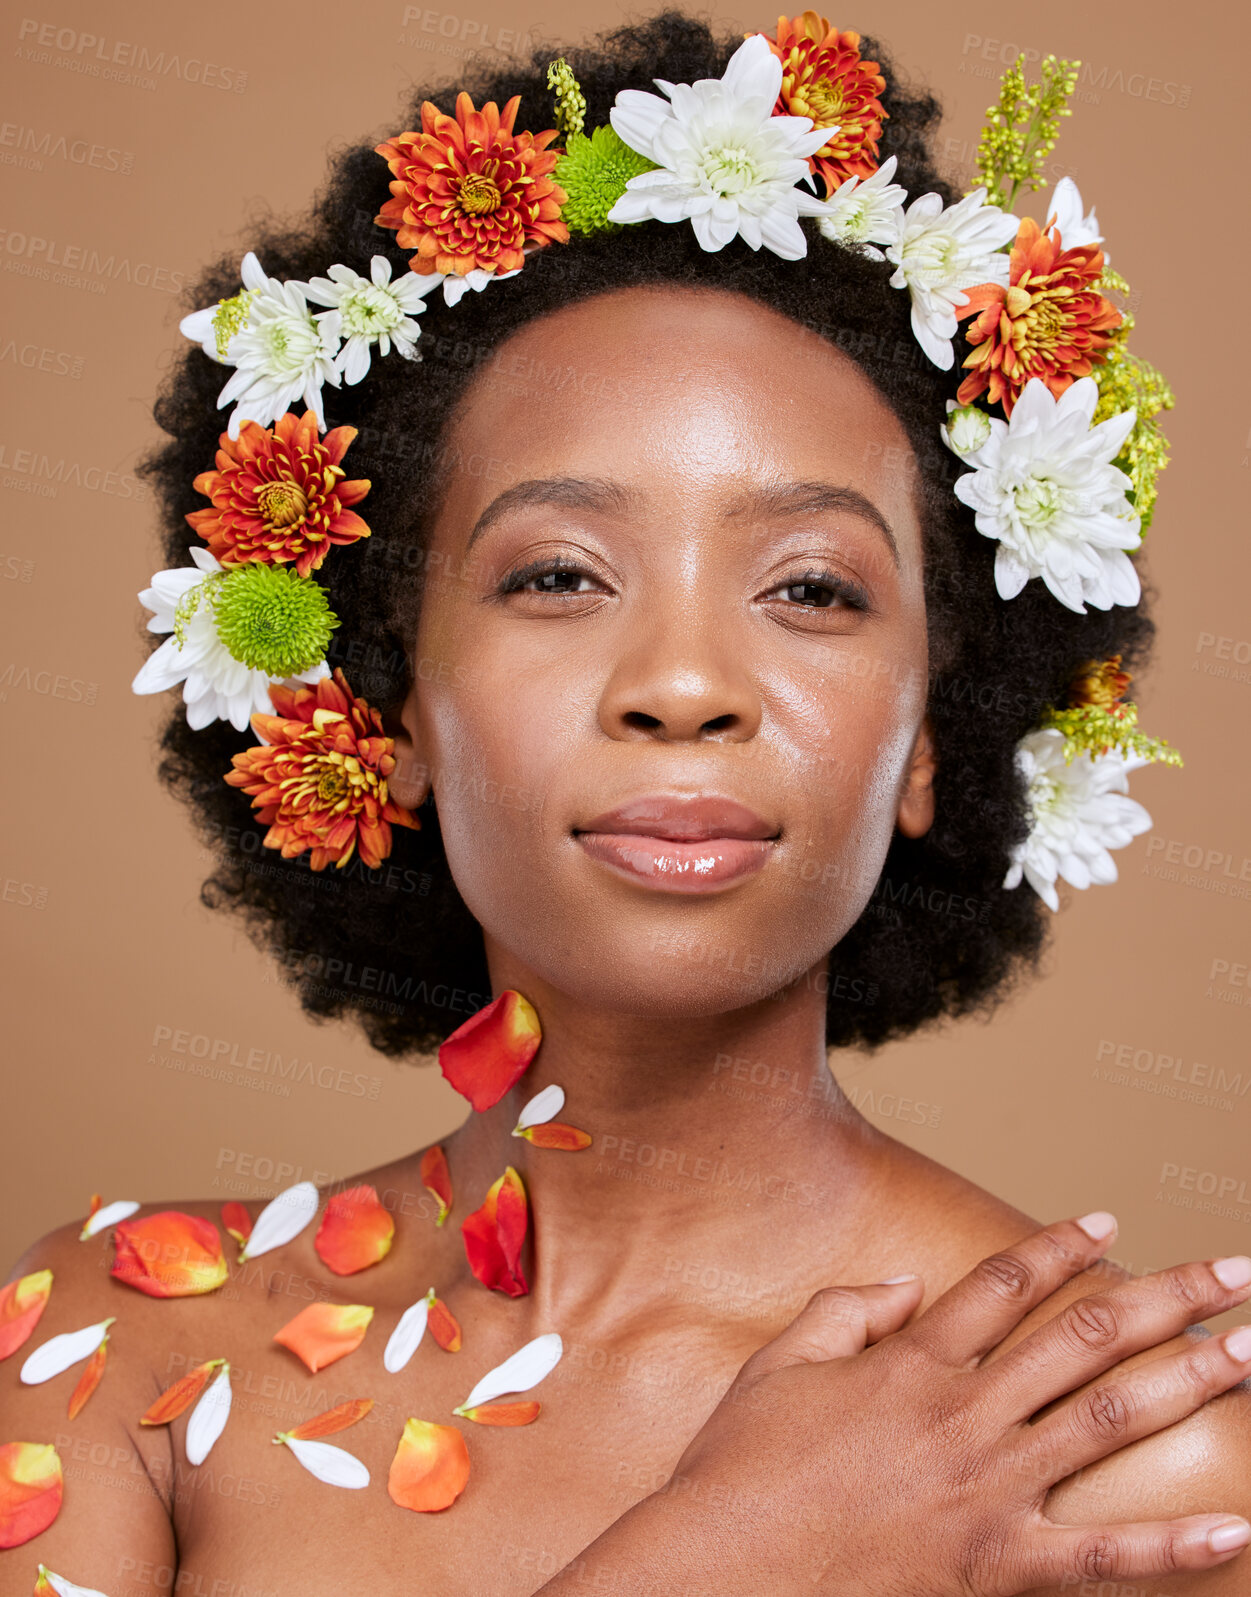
(916, 799)
(410, 781)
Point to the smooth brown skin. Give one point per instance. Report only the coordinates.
(709, 1211)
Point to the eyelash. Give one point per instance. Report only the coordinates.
(851, 593)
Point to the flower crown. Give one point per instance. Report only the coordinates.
(1055, 419)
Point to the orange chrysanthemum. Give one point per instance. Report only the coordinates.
(824, 77)
(280, 495)
(320, 780)
(1099, 683)
(469, 193)
(1050, 321)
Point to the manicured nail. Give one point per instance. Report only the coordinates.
(1233, 1272)
(894, 1280)
(1238, 1344)
(1097, 1225)
(1233, 1533)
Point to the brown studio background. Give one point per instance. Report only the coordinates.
(109, 955)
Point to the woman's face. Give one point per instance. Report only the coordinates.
(678, 557)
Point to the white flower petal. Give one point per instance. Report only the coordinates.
(108, 1215)
(520, 1371)
(59, 1352)
(544, 1106)
(208, 1417)
(282, 1219)
(406, 1338)
(67, 1588)
(334, 1465)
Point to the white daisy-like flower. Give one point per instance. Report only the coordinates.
(369, 310)
(281, 352)
(866, 211)
(941, 252)
(724, 162)
(1079, 811)
(1074, 228)
(216, 686)
(1046, 488)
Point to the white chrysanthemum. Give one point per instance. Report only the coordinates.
(1074, 228)
(966, 429)
(1046, 488)
(367, 311)
(866, 211)
(724, 162)
(281, 353)
(456, 284)
(1079, 811)
(216, 686)
(939, 253)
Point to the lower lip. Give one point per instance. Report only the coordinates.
(673, 867)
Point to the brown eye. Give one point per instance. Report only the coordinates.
(824, 590)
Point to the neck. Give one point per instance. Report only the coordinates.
(723, 1150)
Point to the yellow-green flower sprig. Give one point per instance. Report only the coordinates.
(1126, 382)
(594, 172)
(570, 103)
(1091, 729)
(231, 314)
(1020, 131)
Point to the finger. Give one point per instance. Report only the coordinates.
(837, 1322)
(1133, 1404)
(1093, 1333)
(983, 1306)
(1064, 1555)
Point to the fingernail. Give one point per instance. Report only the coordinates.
(1238, 1343)
(1233, 1533)
(1097, 1225)
(894, 1280)
(1233, 1272)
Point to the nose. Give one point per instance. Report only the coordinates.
(680, 679)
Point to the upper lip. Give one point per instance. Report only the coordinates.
(690, 818)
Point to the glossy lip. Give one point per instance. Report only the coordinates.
(701, 843)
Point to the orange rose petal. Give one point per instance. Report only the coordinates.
(494, 1235)
(21, 1303)
(334, 1419)
(437, 1180)
(90, 1378)
(355, 1231)
(555, 1134)
(180, 1395)
(30, 1490)
(169, 1254)
(492, 1050)
(237, 1221)
(502, 1413)
(324, 1332)
(443, 1326)
(430, 1467)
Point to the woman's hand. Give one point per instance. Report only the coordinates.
(850, 1456)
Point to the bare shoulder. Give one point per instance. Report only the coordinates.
(1201, 1464)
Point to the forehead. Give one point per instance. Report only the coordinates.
(672, 390)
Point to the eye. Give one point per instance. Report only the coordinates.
(823, 590)
(559, 578)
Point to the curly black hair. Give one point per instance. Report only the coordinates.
(396, 947)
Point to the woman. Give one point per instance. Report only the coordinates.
(672, 612)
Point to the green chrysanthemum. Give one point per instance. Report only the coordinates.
(594, 172)
(272, 619)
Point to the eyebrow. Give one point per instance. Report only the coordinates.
(597, 493)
